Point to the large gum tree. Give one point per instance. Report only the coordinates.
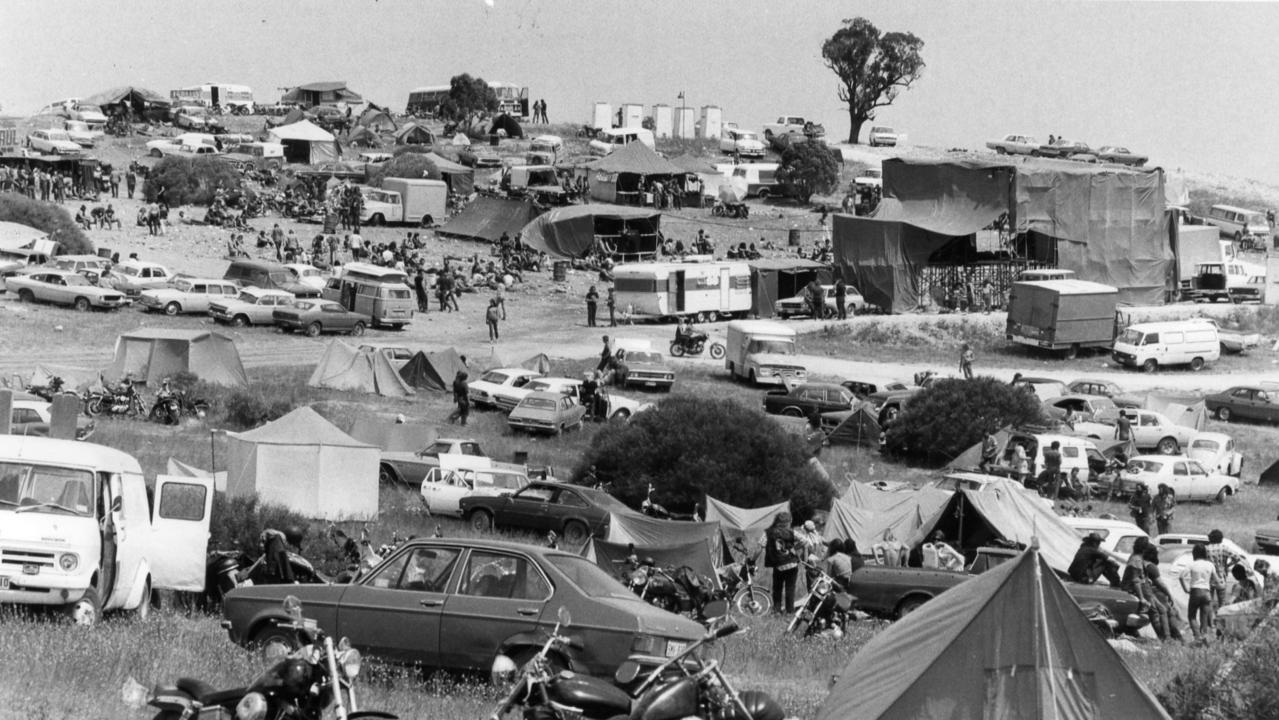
(873, 67)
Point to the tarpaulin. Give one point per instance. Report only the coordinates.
(487, 218)
(774, 279)
(433, 371)
(884, 260)
(868, 516)
(392, 436)
(369, 371)
(569, 232)
(612, 557)
(643, 530)
(745, 524)
(856, 427)
(955, 197)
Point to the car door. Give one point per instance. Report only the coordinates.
(336, 317)
(180, 532)
(1146, 432)
(1200, 481)
(1264, 407)
(396, 611)
(527, 508)
(449, 491)
(500, 594)
(1181, 481)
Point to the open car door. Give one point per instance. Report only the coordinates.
(180, 531)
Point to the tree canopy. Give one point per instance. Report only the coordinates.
(688, 448)
(952, 415)
(872, 68)
(469, 100)
(809, 167)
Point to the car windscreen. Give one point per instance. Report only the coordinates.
(494, 377)
(644, 357)
(589, 578)
(782, 347)
(281, 278)
(45, 488)
(538, 403)
(1150, 466)
(538, 385)
(1204, 444)
(1130, 337)
(76, 280)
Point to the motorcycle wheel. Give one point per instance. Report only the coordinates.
(200, 408)
(717, 351)
(677, 350)
(753, 601)
(93, 407)
(158, 414)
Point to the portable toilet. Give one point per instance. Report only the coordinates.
(632, 115)
(685, 123)
(663, 123)
(712, 122)
(602, 116)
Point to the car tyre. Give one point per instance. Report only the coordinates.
(87, 611)
(792, 411)
(1197, 364)
(622, 415)
(576, 532)
(1220, 497)
(1169, 446)
(909, 605)
(1223, 414)
(764, 194)
(313, 330)
(239, 321)
(155, 152)
(26, 296)
(358, 330)
(82, 304)
(172, 309)
(143, 610)
(480, 520)
(1150, 366)
(386, 475)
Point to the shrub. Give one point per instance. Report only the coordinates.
(237, 522)
(952, 415)
(247, 408)
(406, 165)
(809, 167)
(47, 217)
(189, 181)
(688, 448)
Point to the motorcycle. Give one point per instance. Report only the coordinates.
(300, 685)
(731, 210)
(677, 590)
(693, 343)
(824, 610)
(171, 405)
(56, 386)
(225, 570)
(120, 400)
(652, 509)
(738, 580)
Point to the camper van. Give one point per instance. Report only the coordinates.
(762, 351)
(381, 293)
(1239, 223)
(701, 291)
(761, 179)
(1181, 342)
(610, 139)
(82, 536)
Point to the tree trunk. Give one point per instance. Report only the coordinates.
(854, 126)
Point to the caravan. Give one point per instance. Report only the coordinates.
(701, 291)
(382, 293)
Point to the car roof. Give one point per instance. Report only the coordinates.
(1030, 379)
(141, 264)
(490, 544)
(539, 394)
(188, 278)
(32, 404)
(254, 290)
(511, 371)
(1210, 436)
(1109, 524)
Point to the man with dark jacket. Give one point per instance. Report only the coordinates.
(461, 397)
(1091, 562)
(841, 292)
(779, 554)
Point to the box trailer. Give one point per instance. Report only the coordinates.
(701, 291)
(422, 202)
(1062, 315)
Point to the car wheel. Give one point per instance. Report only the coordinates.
(172, 309)
(768, 134)
(909, 605)
(560, 429)
(82, 304)
(1197, 364)
(1223, 414)
(377, 220)
(1220, 497)
(358, 330)
(575, 532)
(386, 475)
(481, 520)
(1000, 151)
(763, 194)
(1169, 446)
(143, 610)
(274, 642)
(239, 321)
(26, 296)
(1150, 366)
(793, 411)
(828, 312)
(752, 379)
(313, 330)
(155, 152)
(86, 611)
(1072, 352)
(622, 415)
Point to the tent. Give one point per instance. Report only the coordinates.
(970, 459)
(392, 436)
(149, 356)
(538, 363)
(433, 371)
(305, 463)
(744, 524)
(376, 119)
(1010, 643)
(414, 134)
(694, 165)
(345, 368)
(1186, 411)
(571, 232)
(774, 279)
(306, 142)
(854, 427)
(621, 176)
(645, 531)
(865, 515)
(459, 178)
(361, 136)
(181, 469)
(612, 557)
(507, 124)
(73, 378)
(16, 235)
(487, 218)
(136, 100)
(1269, 476)
(321, 93)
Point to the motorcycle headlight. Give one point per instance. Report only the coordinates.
(350, 662)
(251, 707)
(69, 562)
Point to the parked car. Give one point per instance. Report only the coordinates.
(444, 488)
(1245, 402)
(870, 177)
(1189, 479)
(187, 295)
(456, 604)
(482, 391)
(319, 316)
(575, 512)
(639, 365)
(52, 142)
(190, 117)
(1152, 429)
(307, 275)
(742, 143)
(957, 480)
(547, 412)
(86, 113)
(1120, 156)
(1061, 148)
(264, 274)
(882, 135)
(1117, 536)
(620, 408)
(862, 390)
(1014, 145)
(479, 156)
(1104, 388)
(1216, 451)
(1044, 388)
(90, 266)
(411, 468)
(80, 133)
(808, 399)
(786, 125)
(131, 277)
(252, 306)
(1267, 537)
(798, 305)
(63, 287)
(1092, 408)
(34, 417)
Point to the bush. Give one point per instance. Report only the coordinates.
(810, 168)
(237, 522)
(688, 448)
(406, 165)
(47, 217)
(952, 415)
(247, 408)
(189, 181)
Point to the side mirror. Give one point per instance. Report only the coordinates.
(565, 618)
(627, 672)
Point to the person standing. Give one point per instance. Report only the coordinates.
(1123, 427)
(277, 239)
(989, 452)
(606, 356)
(419, 288)
(779, 554)
(130, 180)
(1201, 581)
(612, 308)
(545, 120)
(966, 361)
(1050, 478)
(461, 397)
(1164, 505)
(841, 292)
(1140, 506)
(115, 183)
(1222, 559)
(491, 316)
(592, 304)
(813, 548)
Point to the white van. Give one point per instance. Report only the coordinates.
(1181, 342)
(1238, 223)
(81, 533)
(1076, 452)
(761, 179)
(610, 139)
(762, 352)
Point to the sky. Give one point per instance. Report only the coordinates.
(1191, 84)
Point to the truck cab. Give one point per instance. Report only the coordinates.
(763, 353)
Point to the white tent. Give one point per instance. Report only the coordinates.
(306, 464)
(16, 235)
(306, 142)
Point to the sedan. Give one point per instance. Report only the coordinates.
(457, 604)
(483, 391)
(1244, 402)
(81, 134)
(644, 368)
(1120, 156)
(319, 316)
(443, 489)
(1093, 408)
(1151, 429)
(34, 417)
(308, 275)
(253, 306)
(411, 468)
(1062, 148)
(1188, 478)
(187, 295)
(742, 143)
(1216, 451)
(473, 156)
(798, 305)
(63, 287)
(1104, 388)
(131, 277)
(548, 412)
(1014, 145)
(574, 511)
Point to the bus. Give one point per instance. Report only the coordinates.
(235, 99)
(382, 293)
(511, 99)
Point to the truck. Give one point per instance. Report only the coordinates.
(81, 532)
(406, 200)
(1063, 316)
(762, 352)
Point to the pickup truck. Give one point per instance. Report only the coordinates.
(1014, 145)
(809, 399)
(895, 592)
(792, 125)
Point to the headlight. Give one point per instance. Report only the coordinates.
(350, 662)
(251, 707)
(69, 562)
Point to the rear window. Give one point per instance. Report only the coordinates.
(538, 403)
(589, 578)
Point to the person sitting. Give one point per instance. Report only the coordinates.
(940, 555)
(1091, 562)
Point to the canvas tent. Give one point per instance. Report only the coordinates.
(392, 436)
(360, 136)
(305, 463)
(321, 93)
(16, 235)
(643, 531)
(73, 378)
(459, 178)
(1010, 643)
(538, 363)
(306, 142)
(487, 218)
(1269, 476)
(774, 279)
(853, 427)
(128, 99)
(622, 175)
(149, 356)
(504, 123)
(376, 119)
(414, 134)
(346, 368)
(571, 232)
(744, 524)
(864, 515)
(1189, 412)
(433, 371)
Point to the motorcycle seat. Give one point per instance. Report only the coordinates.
(222, 697)
(194, 687)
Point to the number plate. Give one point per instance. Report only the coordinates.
(4, 582)
(30, 569)
(675, 647)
